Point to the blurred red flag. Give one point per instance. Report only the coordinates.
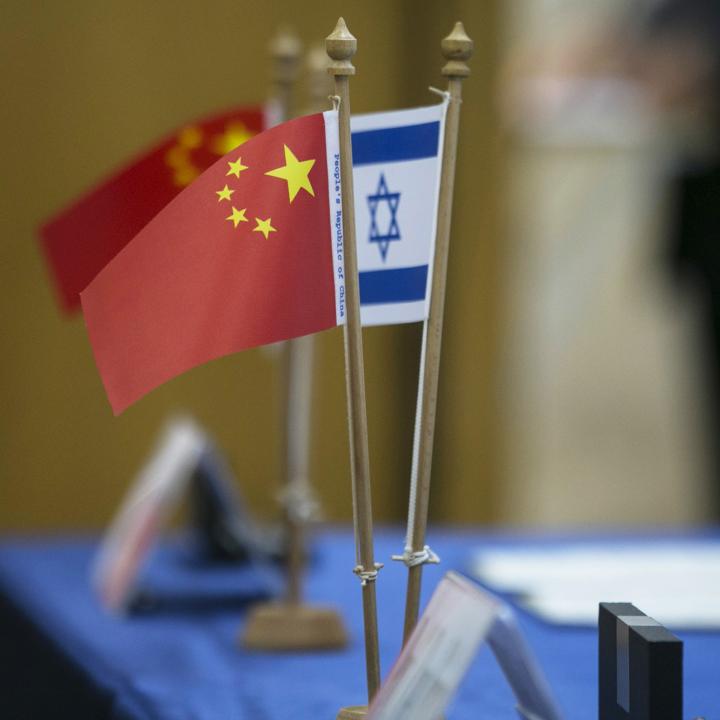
(250, 253)
(83, 238)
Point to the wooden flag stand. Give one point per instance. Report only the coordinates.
(456, 48)
(341, 46)
(292, 624)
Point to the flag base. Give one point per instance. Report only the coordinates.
(353, 712)
(358, 712)
(285, 626)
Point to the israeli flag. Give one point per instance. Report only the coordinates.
(396, 174)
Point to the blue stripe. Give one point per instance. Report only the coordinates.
(411, 142)
(393, 286)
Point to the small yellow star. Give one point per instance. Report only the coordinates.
(191, 137)
(177, 156)
(236, 167)
(185, 174)
(264, 227)
(224, 194)
(295, 172)
(237, 216)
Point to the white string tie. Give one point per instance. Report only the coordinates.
(421, 557)
(444, 94)
(367, 576)
(335, 99)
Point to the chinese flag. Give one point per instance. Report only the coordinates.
(83, 238)
(249, 253)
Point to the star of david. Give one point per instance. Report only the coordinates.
(392, 233)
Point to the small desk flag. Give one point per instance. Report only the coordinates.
(396, 173)
(250, 253)
(83, 238)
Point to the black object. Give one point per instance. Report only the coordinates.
(695, 256)
(640, 666)
(693, 26)
(223, 526)
(28, 654)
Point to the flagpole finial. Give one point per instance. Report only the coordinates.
(285, 43)
(341, 45)
(456, 48)
(319, 82)
(317, 60)
(286, 49)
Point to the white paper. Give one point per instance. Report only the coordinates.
(522, 672)
(151, 498)
(675, 581)
(438, 653)
(459, 618)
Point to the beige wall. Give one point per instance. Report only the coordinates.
(84, 86)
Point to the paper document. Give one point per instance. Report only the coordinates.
(459, 618)
(675, 581)
(522, 672)
(151, 498)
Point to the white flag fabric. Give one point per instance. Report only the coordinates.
(396, 173)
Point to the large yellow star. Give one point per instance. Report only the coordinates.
(295, 172)
(224, 194)
(264, 227)
(237, 216)
(235, 134)
(236, 167)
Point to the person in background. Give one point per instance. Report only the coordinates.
(678, 62)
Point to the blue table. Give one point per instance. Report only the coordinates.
(61, 656)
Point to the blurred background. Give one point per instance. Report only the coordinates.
(579, 375)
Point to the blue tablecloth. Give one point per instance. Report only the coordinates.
(62, 656)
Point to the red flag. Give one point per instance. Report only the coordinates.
(250, 253)
(83, 238)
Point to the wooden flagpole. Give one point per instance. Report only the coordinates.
(341, 47)
(285, 51)
(292, 624)
(297, 364)
(456, 49)
(297, 501)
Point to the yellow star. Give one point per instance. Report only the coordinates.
(235, 134)
(264, 227)
(236, 168)
(185, 174)
(295, 172)
(177, 156)
(237, 216)
(191, 137)
(224, 194)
